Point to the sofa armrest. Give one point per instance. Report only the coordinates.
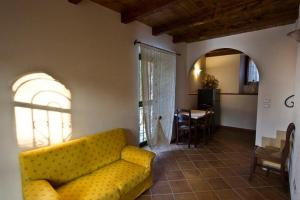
(39, 190)
(138, 156)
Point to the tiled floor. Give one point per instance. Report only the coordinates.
(217, 171)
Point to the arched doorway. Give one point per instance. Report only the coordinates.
(237, 79)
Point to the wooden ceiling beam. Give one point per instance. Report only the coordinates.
(75, 1)
(175, 25)
(192, 20)
(143, 8)
(210, 3)
(222, 52)
(278, 19)
(246, 8)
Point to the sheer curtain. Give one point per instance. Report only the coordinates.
(158, 74)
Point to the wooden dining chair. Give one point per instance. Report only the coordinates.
(184, 124)
(274, 159)
(204, 125)
(210, 115)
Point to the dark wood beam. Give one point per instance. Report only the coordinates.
(221, 12)
(178, 24)
(222, 52)
(276, 19)
(75, 1)
(143, 8)
(210, 3)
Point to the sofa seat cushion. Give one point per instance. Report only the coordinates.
(89, 187)
(125, 175)
(107, 183)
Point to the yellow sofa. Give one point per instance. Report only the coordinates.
(96, 167)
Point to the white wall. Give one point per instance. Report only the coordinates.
(195, 79)
(275, 55)
(236, 110)
(295, 175)
(84, 46)
(183, 87)
(227, 70)
(239, 111)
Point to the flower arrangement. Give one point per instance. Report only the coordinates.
(210, 82)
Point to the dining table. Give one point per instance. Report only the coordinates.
(196, 116)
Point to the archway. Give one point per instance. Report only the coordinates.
(238, 84)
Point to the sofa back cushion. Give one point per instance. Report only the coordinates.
(66, 161)
(57, 163)
(107, 146)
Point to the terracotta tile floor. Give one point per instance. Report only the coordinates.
(217, 171)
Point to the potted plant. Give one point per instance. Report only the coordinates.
(209, 82)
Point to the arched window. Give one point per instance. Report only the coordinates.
(42, 110)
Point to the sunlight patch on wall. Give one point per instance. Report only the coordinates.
(42, 110)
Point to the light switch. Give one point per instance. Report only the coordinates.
(267, 103)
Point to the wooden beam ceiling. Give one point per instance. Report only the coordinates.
(219, 12)
(222, 52)
(196, 20)
(236, 27)
(142, 9)
(75, 1)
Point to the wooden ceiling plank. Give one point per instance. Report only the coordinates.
(143, 8)
(75, 1)
(272, 21)
(179, 39)
(191, 20)
(247, 8)
(222, 52)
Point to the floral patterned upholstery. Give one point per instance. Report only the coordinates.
(41, 189)
(58, 163)
(106, 146)
(96, 167)
(89, 187)
(138, 156)
(106, 183)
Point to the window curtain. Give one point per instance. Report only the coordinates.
(158, 74)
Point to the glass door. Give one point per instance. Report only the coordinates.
(142, 131)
